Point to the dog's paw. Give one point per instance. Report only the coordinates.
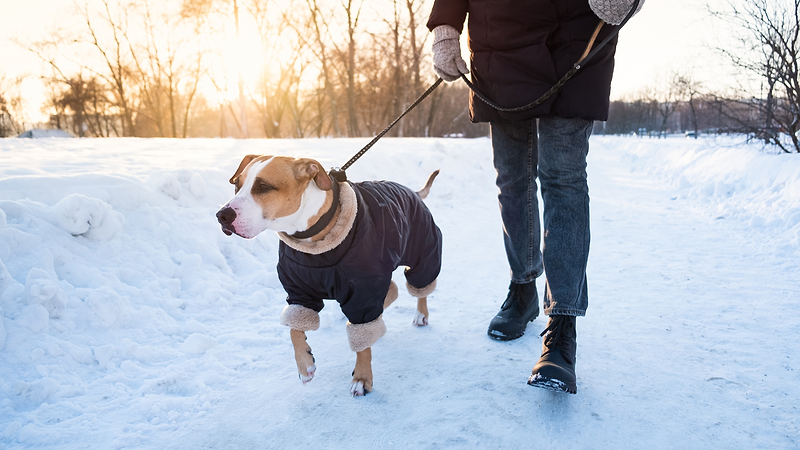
(420, 320)
(360, 388)
(309, 375)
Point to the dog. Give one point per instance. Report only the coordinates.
(339, 241)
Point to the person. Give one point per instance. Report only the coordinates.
(518, 51)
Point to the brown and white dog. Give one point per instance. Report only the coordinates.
(314, 217)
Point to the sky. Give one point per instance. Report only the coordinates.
(666, 36)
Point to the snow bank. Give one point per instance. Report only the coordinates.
(734, 179)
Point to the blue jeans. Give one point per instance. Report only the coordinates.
(554, 151)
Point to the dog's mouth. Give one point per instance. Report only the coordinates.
(227, 231)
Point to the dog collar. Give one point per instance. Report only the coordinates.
(326, 218)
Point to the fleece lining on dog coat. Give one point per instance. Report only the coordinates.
(392, 228)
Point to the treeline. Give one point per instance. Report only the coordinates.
(684, 106)
(162, 69)
(347, 68)
(654, 114)
(11, 106)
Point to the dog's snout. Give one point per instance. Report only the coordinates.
(226, 215)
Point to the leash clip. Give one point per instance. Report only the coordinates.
(338, 174)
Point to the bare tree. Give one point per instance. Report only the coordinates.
(769, 38)
(665, 100)
(279, 82)
(688, 90)
(11, 122)
(317, 22)
(353, 13)
(116, 61)
(168, 70)
(202, 8)
(416, 44)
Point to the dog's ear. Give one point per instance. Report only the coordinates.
(311, 168)
(245, 161)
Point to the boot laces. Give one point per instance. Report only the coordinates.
(559, 333)
(515, 298)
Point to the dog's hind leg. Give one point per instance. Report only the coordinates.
(303, 356)
(362, 374)
(421, 316)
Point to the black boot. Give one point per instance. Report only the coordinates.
(555, 369)
(521, 306)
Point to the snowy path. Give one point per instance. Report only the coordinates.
(690, 340)
(684, 346)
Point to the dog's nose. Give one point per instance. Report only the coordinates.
(226, 215)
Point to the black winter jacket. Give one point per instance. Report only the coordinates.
(521, 48)
(392, 228)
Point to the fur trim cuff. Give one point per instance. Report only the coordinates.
(364, 335)
(300, 318)
(391, 296)
(421, 292)
(343, 225)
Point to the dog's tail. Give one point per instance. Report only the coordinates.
(424, 191)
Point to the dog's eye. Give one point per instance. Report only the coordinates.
(263, 188)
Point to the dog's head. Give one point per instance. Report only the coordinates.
(275, 193)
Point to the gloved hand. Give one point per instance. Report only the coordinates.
(613, 12)
(447, 60)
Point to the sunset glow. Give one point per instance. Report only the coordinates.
(283, 56)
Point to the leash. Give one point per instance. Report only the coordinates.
(338, 173)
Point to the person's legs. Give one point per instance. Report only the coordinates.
(514, 145)
(515, 158)
(563, 146)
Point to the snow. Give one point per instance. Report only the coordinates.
(129, 320)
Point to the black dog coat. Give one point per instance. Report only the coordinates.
(392, 228)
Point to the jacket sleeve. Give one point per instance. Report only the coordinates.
(364, 300)
(448, 12)
(298, 292)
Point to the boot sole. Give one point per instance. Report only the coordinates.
(552, 384)
(499, 336)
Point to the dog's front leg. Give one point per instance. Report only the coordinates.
(362, 374)
(421, 317)
(303, 356)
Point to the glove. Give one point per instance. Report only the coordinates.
(447, 60)
(613, 12)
